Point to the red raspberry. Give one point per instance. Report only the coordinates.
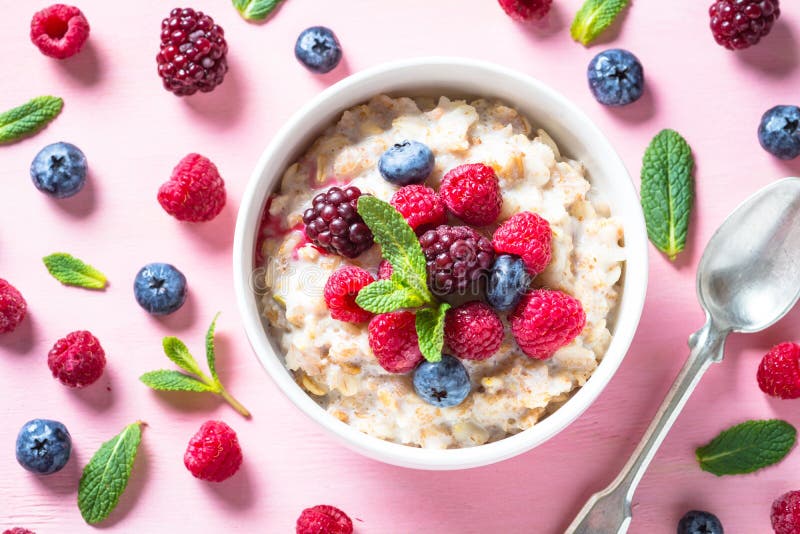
(341, 291)
(18, 530)
(59, 31)
(472, 193)
(779, 372)
(385, 270)
(420, 205)
(12, 307)
(324, 519)
(528, 236)
(213, 453)
(544, 321)
(473, 331)
(195, 192)
(526, 10)
(393, 340)
(785, 513)
(738, 24)
(77, 360)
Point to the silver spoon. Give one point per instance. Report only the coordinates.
(748, 278)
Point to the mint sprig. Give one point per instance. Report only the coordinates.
(747, 447)
(594, 17)
(194, 379)
(71, 271)
(106, 476)
(430, 331)
(29, 118)
(668, 191)
(255, 9)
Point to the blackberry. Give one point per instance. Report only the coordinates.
(457, 257)
(333, 222)
(192, 55)
(738, 24)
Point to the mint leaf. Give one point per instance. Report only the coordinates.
(255, 9)
(71, 271)
(176, 350)
(747, 447)
(210, 351)
(430, 331)
(29, 118)
(668, 191)
(386, 296)
(165, 380)
(594, 17)
(106, 475)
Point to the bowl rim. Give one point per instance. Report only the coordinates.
(253, 202)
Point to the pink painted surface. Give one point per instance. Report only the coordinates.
(133, 132)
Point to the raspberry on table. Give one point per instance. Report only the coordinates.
(546, 320)
(59, 31)
(323, 519)
(193, 52)
(195, 192)
(471, 192)
(738, 24)
(785, 514)
(341, 291)
(385, 270)
(77, 360)
(213, 453)
(12, 307)
(420, 206)
(526, 10)
(779, 372)
(528, 236)
(393, 339)
(18, 530)
(333, 223)
(473, 331)
(457, 257)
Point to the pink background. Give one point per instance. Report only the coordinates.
(134, 132)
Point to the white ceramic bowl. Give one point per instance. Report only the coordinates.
(576, 137)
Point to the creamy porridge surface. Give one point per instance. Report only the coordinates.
(332, 360)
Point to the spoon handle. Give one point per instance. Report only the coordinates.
(609, 510)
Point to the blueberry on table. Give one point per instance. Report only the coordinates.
(444, 383)
(616, 77)
(43, 446)
(59, 170)
(779, 131)
(160, 288)
(318, 49)
(697, 522)
(508, 281)
(408, 162)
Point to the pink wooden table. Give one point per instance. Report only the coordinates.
(133, 133)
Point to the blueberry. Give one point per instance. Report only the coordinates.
(696, 522)
(444, 383)
(160, 288)
(318, 49)
(409, 162)
(616, 77)
(779, 132)
(508, 281)
(43, 446)
(59, 170)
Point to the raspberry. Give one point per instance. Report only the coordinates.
(213, 453)
(420, 205)
(341, 291)
(12, 307)
(59, 31)
(333, 222)
(472, 193)
(195, 192)
(473, 331)
(192, 53)
(393, 340)
(526, 10)
(785, 513)
(544, 321)
(528, 236)
(18, 530)
(385, 270)
(77, 360)
(738, 24)
(779, 372)
(457, 257)
(324, 519)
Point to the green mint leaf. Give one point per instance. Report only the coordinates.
(668, 191)
(747, 447)
(399, 244)
(430, 331)
(164, 380)
(594, 17)
(211, 355)
(176, 350)
(29, 118)
(255, 9)
(106, 475)
(386, 296)
(71, 271)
